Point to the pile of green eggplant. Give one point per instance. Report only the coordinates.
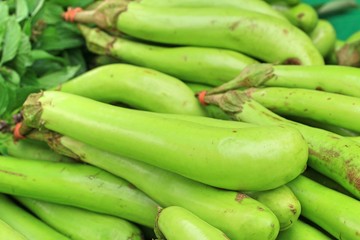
(199, 119)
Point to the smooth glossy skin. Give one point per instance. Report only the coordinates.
(76, 185)
(324, 37)
(334, 156)
(335, 109)
(25, 223)
(325, 181)
(81, 224)
(208, 121)
(31, 149)
(302, 15)
(216, 156)
(299, 230)
(234, 213)
(328, 127)
(7, 232)
(355, 138)
(282, 202)
(336, 213)
(330, 78)
(177, 223)
(253, 5)
(142, 88)
(212, 66)
(269, 39)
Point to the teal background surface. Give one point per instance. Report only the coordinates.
(345, 23)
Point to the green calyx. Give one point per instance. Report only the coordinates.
(230, 102)
(32, 110)
(229, 98)
(97, 41)
(53, 140)
(104, 15)
(251, 76)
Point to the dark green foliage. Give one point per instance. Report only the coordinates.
(38, 49)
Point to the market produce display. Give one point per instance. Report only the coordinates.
(178, 119)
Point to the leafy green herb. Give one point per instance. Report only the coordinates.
(38, 50)
(73, 3)
(35, 6)
(10, 76)
(11, 40)
(54, 79)
(3, 96)
(22, 10)
(4, 11)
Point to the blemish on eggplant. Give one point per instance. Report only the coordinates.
(234, 25)
(93, 176)
(325, 154)
(334, 137)
(13, 173)
(352, 173)
(260, 209)
(212, 22)
(240, 197)
(292, 61)
(292, 209)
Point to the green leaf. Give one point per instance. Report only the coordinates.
(38, 54)
(22, 10)
(5, 138)
(20, 63)
(29, 78)
(73, 3)
(44, 67)
(54, 79)
(2, 34)
(24, 45)
(10, 76)
(11, 99)
(4, 11)
(22, 59)
(59, 37)
(49, 13)
(35, 6)
(18, 96)
(11, 4)
(4, 15)
(27, 28)
(11, 40)
(3, 96)
(76, 57)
